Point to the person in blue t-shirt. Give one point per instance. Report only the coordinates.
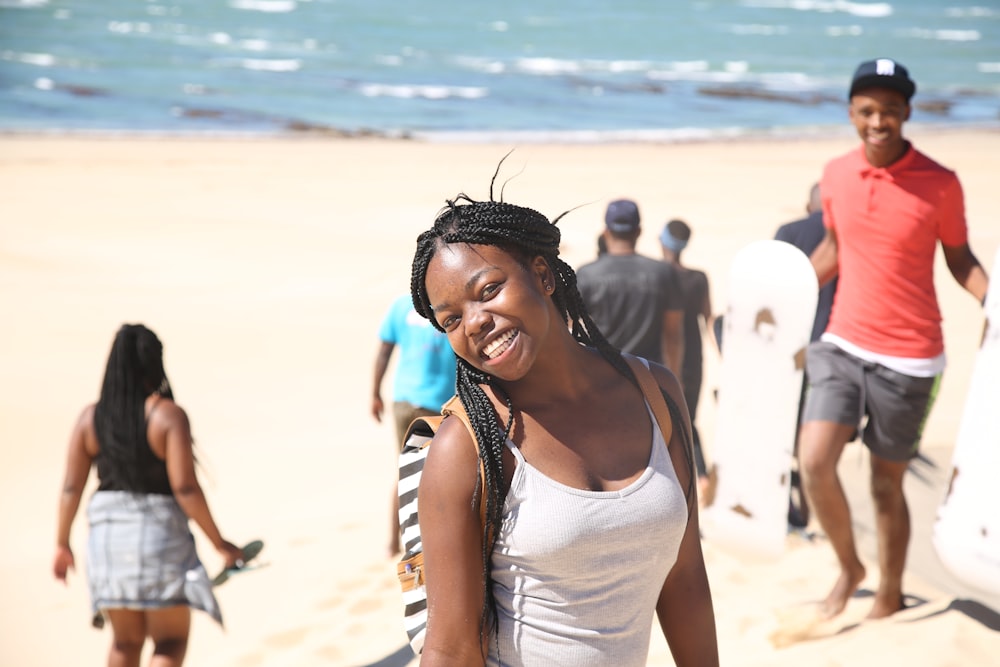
(424, 378)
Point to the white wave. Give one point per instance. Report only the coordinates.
(128, 27)
(516, 137)
(548, 66)
(988, 68)
(866, 9)
(738, 72)
(404, 91)
(557, 66)
(220, 38)
(970, 12)
(943, 35)
(37, 59)
(618, 66)
(686, 66)
(270, 6)
(389, 60)
(478, 64)
(499, 26)
(255, 44)
(844, 31)
(699, 76)
(787, 80)
(22, 4)
(758, 29)
(265, 65)
(44, 83)
(698, 70)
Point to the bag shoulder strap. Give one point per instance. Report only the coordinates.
(654, 396)
(455, 408)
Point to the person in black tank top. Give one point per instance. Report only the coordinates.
(150, 472)
(143, 571)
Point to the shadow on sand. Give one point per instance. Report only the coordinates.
(974, 610)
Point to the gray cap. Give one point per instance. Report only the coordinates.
(622, 216)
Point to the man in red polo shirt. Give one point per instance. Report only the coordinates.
(885, 206)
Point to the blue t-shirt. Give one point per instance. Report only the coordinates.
(425, 369)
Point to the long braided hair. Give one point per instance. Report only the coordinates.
(525, 234)
(134, 371)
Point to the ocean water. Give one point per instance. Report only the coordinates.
(576, 69)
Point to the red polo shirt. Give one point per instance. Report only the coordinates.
(888, 222)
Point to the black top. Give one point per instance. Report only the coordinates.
(152, 471)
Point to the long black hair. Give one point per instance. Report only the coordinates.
(134, 371)
(525, 234)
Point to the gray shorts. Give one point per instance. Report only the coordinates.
(845, 389)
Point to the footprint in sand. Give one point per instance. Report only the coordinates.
(331, 603)
(374, 580)
(287, 638)
(806, 623)
(254, 660)
(330, 653)
(301, 541)
(366, 605)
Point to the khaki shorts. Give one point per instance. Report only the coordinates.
(404, 413)
(845, 389)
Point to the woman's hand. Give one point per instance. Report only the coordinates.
(63, 562)
(232, 554)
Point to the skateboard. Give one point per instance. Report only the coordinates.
(966, 533)
(250, 551)
(771, 303)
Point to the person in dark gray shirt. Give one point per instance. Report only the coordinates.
(635, 300)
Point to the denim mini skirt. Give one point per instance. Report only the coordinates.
(141, 555)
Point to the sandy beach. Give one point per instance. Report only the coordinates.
(265, 266)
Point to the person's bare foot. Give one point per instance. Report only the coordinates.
(883, 608)
(847, 583)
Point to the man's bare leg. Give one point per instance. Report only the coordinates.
(820, 446)
(892, 524)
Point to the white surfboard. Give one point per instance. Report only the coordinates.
(772, 295)
(967, 530)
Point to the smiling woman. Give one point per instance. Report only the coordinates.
(591, 522)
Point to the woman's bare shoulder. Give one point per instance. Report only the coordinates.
(453, 443)
(86, 418)
(452, 455)
(165, 414)
(84, 436)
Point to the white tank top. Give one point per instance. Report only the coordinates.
(577, 573)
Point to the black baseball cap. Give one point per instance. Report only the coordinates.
(883, 73)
